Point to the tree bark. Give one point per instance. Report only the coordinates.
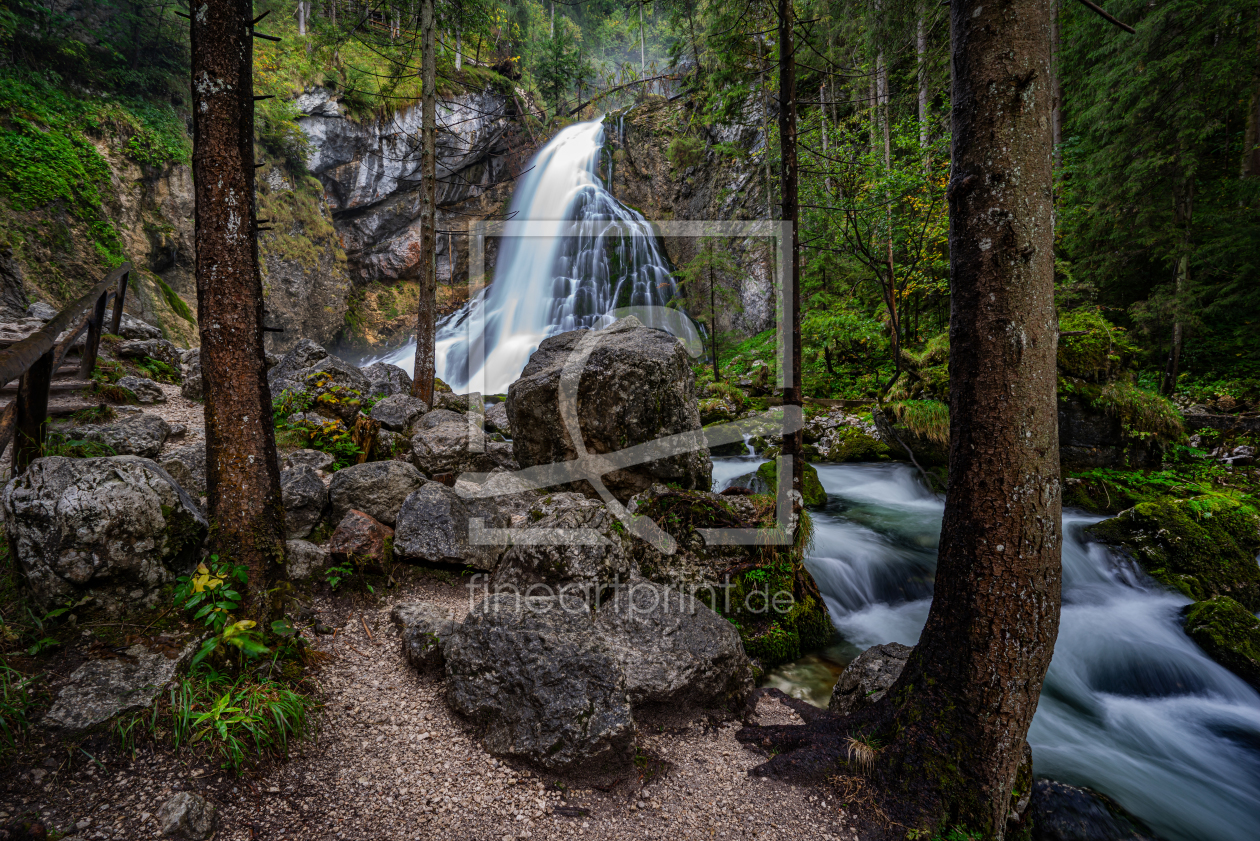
(1183, 215)
(1056, 89)
(642, 41)
(957, 718)
(426, 317)
(920, 47)
(1251, 136)
(242, 475)
(788, 185)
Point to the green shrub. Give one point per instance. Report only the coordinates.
(685, 151)
(928, 419)
(1142, 414)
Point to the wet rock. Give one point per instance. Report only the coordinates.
(425, 628)
(867, 678)
(673, 649)
(317, 460)
(1060, 812)
(591, 553)
(186, 817)
(387, 380)
(147, 391)
(1229, 633)
(399, 411)
(629, 363)
(187, 466)
(377, 488)
(359, 538)
(117, 529)
(159, 349)
(305, 500)
(433, 526)
(444, 449)
(138, 435)
(543, 686)
(496, 419)
(766, 481)
(304, 559)
(101, 689)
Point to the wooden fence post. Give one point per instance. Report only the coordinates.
(92, 341)
(32, 412)
(115, 323)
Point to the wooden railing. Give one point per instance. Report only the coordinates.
(38, 357)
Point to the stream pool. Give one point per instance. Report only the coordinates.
(1131, 706)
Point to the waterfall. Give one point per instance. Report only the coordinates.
(585, 255)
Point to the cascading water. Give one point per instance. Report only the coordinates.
(585, 255)
(1131, 707)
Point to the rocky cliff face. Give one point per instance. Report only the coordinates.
(370, 173)
(714, 172)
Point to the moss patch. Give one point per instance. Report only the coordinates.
(1202, 547)
(848, 443)
(1229, 633)
(811, 487)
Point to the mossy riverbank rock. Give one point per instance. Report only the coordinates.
(1201, 550)
(1229, 633)
(767, 481)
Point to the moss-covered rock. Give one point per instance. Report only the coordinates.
(846, 444)
(814, 494)
(1229, 633)
(1204, 550)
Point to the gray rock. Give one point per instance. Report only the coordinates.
(399, 411)
(433, 527)
(305, 500)
(117, 529)
(392, 445)
(305, 559)
(192, 387)
(425, 628)
(159, 349)
(187, 466)
(497, 419)
(452, 402)
(387, 379)
(377, 488)
(309, 369)
(42, 311)
(101, 689)
(186, 817)
(437, 417)
(317, 460)
(673, 649)
(636, 386)
(147, 391)
(541, 683)
(1061, 812)
(310, 420)
(444, 449)
(141, 434)
(592, 553)
(867, 678)
(134, 328)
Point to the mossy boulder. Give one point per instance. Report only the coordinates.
(1229, 633)
(768, 474)
(846, 444)
(1203, 550)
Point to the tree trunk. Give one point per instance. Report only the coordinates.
(1056, 90)
(920, 44)
(788, 181)
(1183, 215)
(426, 318)
(242, 476)
(552, 33)
(957, 718)
(459, 56)
(302, 7)
(713, 314)
(1251, 136)
(642, 42)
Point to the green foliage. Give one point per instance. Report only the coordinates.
(16, 699)
(1142, 414)
(175, 302)
(59, 443)
(928, 419)
(559, 66)
(157, 370)
(1229, 633)
(327, 435)
(812, 487)
(1097, 355)
(684, 151)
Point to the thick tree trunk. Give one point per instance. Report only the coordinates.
(788, 179)
(426, 318)
(303, 9)
(957, 719)
(242, 476)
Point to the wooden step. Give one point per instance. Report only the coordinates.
(60, 407)
(54, 387)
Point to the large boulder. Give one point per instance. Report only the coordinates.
(334, 387)
(118, 529)
(868, 677)
(159, 349)
(424, 628)
(543, 686)
(1060, 812)
(399, 411)
(305, 499)
(636, 386)
(101, 689)
(592, 552)
(359, 539)
(437, 417)
(673, 649)
(496, 419)
(304, 559)
(386, 379)
(141, 434)
(377, 488)
(131, 327)
(1229, 633)
(146, 391)
(444, 449)
(192, 387)
(433, 527)
(187, 466)
(317, 460)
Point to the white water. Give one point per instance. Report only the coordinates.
(584, 255)
(1131, 706)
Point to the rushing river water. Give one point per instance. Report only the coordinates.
(1131, 706)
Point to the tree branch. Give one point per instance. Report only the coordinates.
(1098, 10)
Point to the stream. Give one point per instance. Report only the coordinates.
(1131, 707)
